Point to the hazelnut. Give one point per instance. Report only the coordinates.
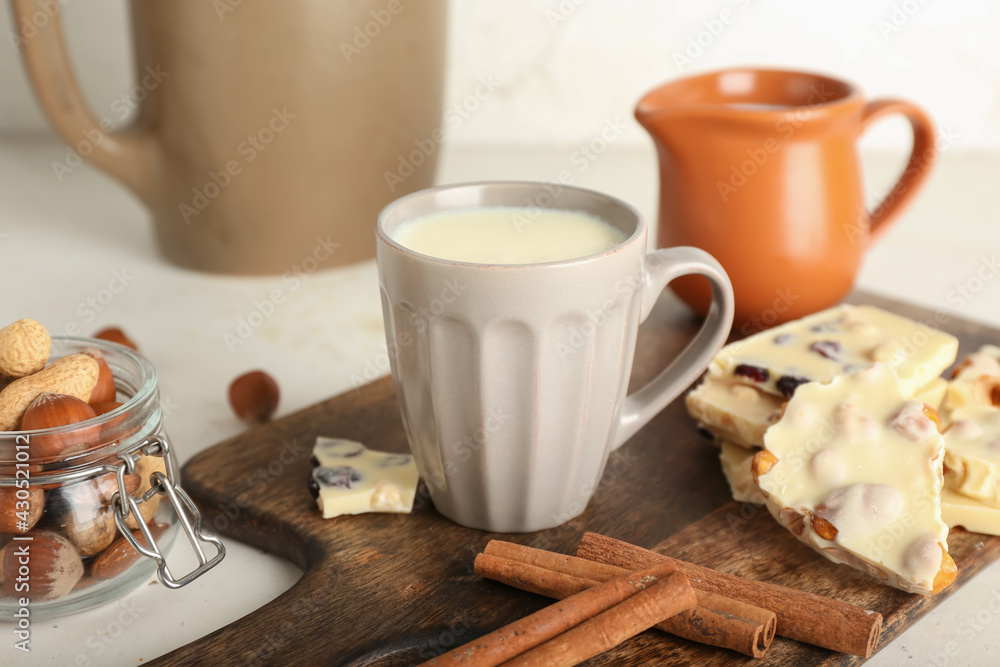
(913, 423)
(52, 410)
(853, 422)
(121, 555)
(91, 532)
(117, 427)
(82, 513)
(46, 567)
(107, 485)
(254, 397)
(19, 514)
(105, 407)
(116, 335)
(105, 390)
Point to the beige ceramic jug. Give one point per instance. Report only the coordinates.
(267, 132)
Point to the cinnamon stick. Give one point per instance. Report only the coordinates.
(531, 578)
(526, 633)
(716, 621)
(746, 628)
(802, 616)
(550, 560)
(663, 599)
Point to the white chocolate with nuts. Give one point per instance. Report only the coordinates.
(349, 478)
(734, 411)
(959, 510)
(736, 461)
(854, 470)
(972, 453)
(975, 379)
(741, 414)
(833, 342)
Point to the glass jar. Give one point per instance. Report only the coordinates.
(83, 528)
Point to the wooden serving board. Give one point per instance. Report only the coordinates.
(398, 589)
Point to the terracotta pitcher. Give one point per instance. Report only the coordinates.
(269, 134)
(760, 168)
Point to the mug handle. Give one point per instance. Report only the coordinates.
(128, 156)
(922, 157)
(662, 266)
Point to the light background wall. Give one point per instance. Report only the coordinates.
(565, 67)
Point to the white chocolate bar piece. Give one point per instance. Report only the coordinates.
(959, 510)
(349, 478)
(741, 414)
(975, 378)
(833, 342)
(736, 461)
(734, 411)
(854, 469)
(972, 453)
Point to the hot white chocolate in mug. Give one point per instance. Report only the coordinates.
(513, 329)
(508, 235)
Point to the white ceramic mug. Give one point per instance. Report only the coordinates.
(512, 379)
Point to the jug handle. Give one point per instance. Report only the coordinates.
(128, 155)
(922, 157)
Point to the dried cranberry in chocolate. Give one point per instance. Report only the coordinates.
(755, 373)
(313, 487)
(340, 477)
(784, 339)
(826, 348)
(789, 383)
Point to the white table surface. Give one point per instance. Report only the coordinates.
(61, 242)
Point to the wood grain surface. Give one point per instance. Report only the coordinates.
(384, 589)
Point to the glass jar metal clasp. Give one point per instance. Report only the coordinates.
(184, 507)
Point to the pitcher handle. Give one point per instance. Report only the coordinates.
(922, 157)
(662, 266)
(127, 155)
